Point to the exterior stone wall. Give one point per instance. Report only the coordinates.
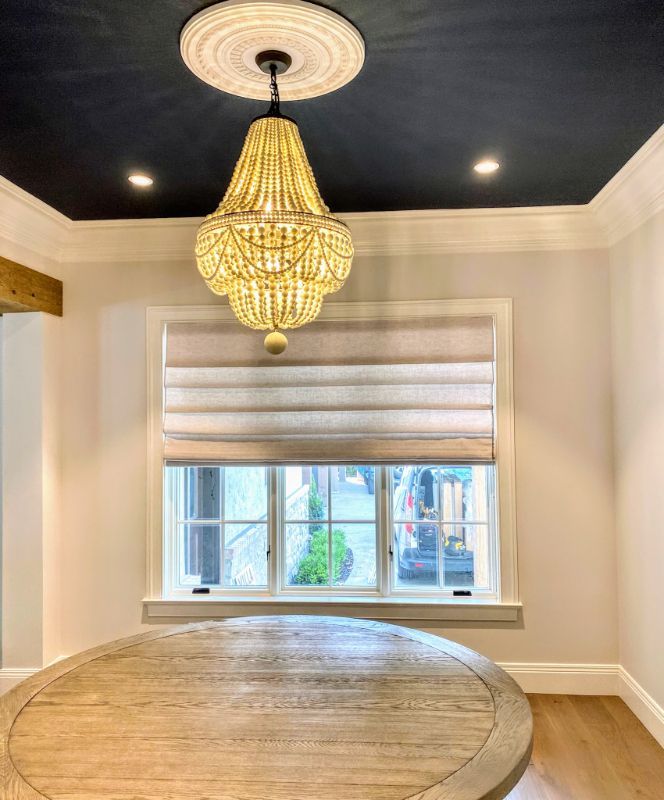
(246, 551)
(245, 492)
(246, 557)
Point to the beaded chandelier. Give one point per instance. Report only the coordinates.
(272, 245)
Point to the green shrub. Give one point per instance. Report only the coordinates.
(316, 508)
(312, 570)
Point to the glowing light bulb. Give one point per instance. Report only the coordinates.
(143, 181)
(486, 167)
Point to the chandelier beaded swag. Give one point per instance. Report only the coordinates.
(272, 246)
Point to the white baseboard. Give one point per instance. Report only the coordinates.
(11, 677)
(565, 678)
(646, 708)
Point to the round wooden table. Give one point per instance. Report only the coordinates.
(267, 708)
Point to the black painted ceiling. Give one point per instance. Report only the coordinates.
(562, 92)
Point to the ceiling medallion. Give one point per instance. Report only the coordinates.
(272, 245)
(220, 45)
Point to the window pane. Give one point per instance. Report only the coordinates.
(447, 493)
(477, 492)
(465, 493)
(200, 548)
(416, 492)
(245, 555)
(245, 493)
(466, 556)
(416, 555)
(353, 492)
(307, 555)
(306, 491)
(354, 554)
(402, 505)
(201, 492)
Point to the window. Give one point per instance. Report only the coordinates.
(219, 523)
(329, 527)
(371, 384)
(342, 530)
(444, 527)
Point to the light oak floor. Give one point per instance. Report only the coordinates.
(590, 748)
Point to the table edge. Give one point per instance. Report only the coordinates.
(487, 776)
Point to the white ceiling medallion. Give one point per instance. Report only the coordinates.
(220, 45)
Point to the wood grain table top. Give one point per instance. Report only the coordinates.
(267, 708)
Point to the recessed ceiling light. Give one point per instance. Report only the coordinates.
(487, 166)
(141, 180)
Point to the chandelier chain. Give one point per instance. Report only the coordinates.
(275, 110)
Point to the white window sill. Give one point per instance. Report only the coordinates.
(379, 608)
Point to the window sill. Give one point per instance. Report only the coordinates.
(378, 608)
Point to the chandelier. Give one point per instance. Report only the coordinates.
(272, 246)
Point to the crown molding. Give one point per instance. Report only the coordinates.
(389, 233)
(126, 240)
(481, 230)
(30, 224)
(634, 194)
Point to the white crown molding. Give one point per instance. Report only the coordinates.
(629, 199)
(30, 224)
(127, 240)
(389, 233)
(635, 192)
(480, 230)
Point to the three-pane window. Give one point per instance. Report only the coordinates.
(349, 530)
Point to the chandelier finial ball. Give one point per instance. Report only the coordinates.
(275, 343)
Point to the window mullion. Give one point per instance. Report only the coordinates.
(173, 548)
(441, 528)
(222, 527)
(494, 541)
(329, 523)
(275, 529)
(383, 529)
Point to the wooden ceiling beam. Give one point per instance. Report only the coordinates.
(24, 289)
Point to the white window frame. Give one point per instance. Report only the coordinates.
(161, 603)
(276, 523)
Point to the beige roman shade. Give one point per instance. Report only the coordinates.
(355, 391)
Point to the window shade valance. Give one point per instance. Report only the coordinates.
(354, 391)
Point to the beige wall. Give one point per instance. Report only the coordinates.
(31, 489)
(563, 439)
(637, 294)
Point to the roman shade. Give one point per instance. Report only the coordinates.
(361, 391)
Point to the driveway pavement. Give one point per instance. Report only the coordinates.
(351, 500)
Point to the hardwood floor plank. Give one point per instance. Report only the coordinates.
(590, 748)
